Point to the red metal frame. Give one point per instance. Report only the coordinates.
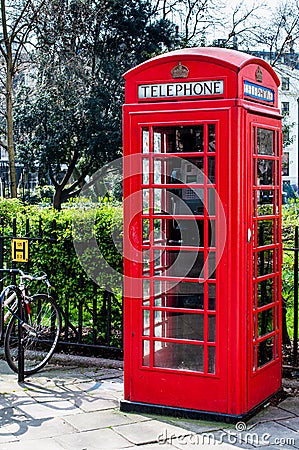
(184, 350)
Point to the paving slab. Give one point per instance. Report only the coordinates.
(150, 431)
(88, 403)
(102, 439)
(275, 434)
(208, 441)
(46, 410)
(292, 423)
(78, 408)
(155, 447)
(49, 428)
(197, 426)
(269, 414)
(97, 419)
(290, 404)
(38, 444)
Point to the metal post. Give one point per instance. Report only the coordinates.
(21, 341)
(298, 143)
(296, 252)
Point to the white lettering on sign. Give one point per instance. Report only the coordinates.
(192, 89)
(258, 92)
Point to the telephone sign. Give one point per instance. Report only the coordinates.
(20, 250)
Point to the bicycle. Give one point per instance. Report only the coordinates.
(35, 318)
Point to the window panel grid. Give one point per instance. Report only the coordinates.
(266, 243)
(158, 153)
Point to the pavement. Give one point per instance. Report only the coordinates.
(75, 406)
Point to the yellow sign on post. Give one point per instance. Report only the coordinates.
(20, 250)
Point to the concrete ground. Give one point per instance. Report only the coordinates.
(77, 408)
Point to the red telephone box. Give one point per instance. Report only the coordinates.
(202, 189)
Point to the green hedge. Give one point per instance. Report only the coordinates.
(289, 222)
(55, 255)
(71, 281)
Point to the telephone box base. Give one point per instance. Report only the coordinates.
(192, 414)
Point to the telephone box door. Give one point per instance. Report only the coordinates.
(264, 295)
(178, 325)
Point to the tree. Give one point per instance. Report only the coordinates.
(211, 22)
(18, 19)
(71, 123)
(194, 19)
(279, 31)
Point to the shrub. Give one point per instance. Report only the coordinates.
(52, 251)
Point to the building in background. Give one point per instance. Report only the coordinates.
(287, 68)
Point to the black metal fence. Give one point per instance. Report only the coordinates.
(90, 325)
(290, 304)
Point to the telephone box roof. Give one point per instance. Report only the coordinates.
(232, 59)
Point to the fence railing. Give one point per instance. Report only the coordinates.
(290, 343)
(89, 311)
(92, 314)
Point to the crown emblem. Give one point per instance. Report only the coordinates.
(180, 71)
(259, 75)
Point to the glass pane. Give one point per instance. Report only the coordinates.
(184, 264)
(265, 173)
(145, 140)
(146, 322)
(265, 232)
(212, 297)
(145, 230)
(265, 202)
(158, 142)
(265, 322)
(211, 328)
(189, 139)
(179, 139)
(180, 232)
(211, 169)
(185, 232)
(211, 137)
(181, 295)
(145, 171)
(211, 360)
(160, 204)
(265, 141)
(146, 292)
(179, 356)
(179, 325)
(212, 233)
(265, 352)
(159, 171)
(265, 292)
(185, 201)
(178, 170)
(146, 262)
(212, 265)
(193, 171)
(211, 202)
(146, 353)
(264, 263)
(145, 197)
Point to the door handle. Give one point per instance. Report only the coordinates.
(249, 234)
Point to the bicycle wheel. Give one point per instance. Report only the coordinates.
(40, 338)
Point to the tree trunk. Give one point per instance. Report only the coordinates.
(9, 125)
(57, 199)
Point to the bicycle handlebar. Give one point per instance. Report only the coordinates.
(25, 276)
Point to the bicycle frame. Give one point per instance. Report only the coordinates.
(6, 303)
(19, 293)
(15, 300)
